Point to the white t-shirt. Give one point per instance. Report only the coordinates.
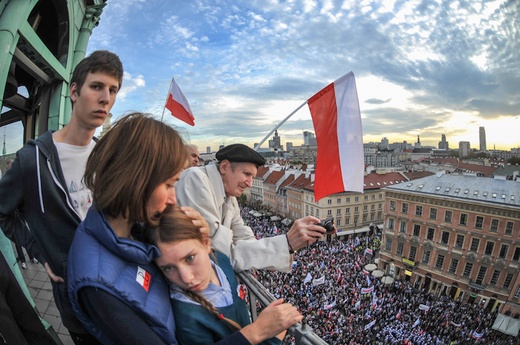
(73, 160)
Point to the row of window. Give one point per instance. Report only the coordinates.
(366, 217)
(348, 199)
(463, 218)
(295, 205)
(459, 240)
(348, 209)
(439, 264)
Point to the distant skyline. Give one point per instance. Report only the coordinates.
(12, 147)
(422, 67)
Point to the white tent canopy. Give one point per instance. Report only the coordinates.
(378, 273)
(387, 280)
(275, 218)
(370, 267)
(507, 325)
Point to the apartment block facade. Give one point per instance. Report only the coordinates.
(456, 235)
(350, 210)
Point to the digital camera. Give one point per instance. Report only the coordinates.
(328, 224)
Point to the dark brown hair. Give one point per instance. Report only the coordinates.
(176, 226)
(129, 162)
(99, 61)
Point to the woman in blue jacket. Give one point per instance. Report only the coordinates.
(203, 289)
(115, 289)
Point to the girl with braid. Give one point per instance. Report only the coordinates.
(203, 288)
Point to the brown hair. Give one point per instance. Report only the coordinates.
(175, 226)
(99, 61)
(129, 162)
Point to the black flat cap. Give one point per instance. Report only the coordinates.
(240, 153)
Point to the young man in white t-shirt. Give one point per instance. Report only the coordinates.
(42, 198)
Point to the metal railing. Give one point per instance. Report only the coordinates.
(302, 332)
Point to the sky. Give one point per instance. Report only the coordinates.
(422, 67)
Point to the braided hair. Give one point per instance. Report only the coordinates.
(175, 226)
(211, 309)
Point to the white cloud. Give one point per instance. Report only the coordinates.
(130, 84)
(418, 63)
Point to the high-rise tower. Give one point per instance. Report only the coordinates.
(443, 144)
(482, 138)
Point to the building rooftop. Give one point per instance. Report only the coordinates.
(274, 177)
(508, 171)
(470, 188)
(378, 181)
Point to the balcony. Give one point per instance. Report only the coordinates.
(476, 286)
(303, 333)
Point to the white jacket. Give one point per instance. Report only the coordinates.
(202, 189)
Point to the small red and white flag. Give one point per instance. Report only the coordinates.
(143, 278)
(337, 123)
(178, 104)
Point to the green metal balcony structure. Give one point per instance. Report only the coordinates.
(41, 41)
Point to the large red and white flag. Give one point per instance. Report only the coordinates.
(178, 104)
(337, 123)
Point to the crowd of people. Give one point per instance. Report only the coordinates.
(345, 304)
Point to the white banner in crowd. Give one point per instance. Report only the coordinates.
(367, 290)
(318, 281)
(329, 306)
(424, 307)
(370, 325)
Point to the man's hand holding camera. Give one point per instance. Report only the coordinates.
(308, 230)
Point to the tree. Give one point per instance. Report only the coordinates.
(242, 199)
(514, 160)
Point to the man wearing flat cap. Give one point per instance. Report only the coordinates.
(212, 190)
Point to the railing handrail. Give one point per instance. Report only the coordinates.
(302, 332)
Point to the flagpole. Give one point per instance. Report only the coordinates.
(164, 107)
(278, 126)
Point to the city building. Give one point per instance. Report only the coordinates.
(270, 189)
(464, 149)
(309, 139)
(295, 195)
(456, 235)
(275, 143)
(381, 159)
(443, 144)
(352, 212)
(482, 139)
(256, 195)
(418, 143)
(508, 172)
(384, 144)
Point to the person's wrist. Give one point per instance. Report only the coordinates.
(251, 334)
(291, 250)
